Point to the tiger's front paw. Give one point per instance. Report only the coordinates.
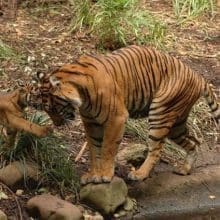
(90, 178)
(137, 175)
(95, 178)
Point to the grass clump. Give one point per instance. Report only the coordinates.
(49, 153)
(116, 23)
(6, 52)
(82, 14)
(190, 9)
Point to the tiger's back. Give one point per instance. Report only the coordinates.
(134, 81)
(142, 74)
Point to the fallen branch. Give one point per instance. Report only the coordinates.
(81, 151)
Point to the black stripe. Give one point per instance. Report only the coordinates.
(97, 139)
(155, 138)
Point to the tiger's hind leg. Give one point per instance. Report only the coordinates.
(152, 158)
(157, 133)
(180, 135)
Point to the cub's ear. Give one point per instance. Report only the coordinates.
(54, 81)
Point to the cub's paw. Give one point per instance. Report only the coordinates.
(46, 130)
(137, 175)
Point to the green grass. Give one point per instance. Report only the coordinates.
(82, 14)
(49, 153)
(6, 52)
(190, 9)
(116, 23)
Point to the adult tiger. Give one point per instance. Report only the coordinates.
(134, 81)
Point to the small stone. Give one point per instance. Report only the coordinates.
(52, 208)
(19, 192)
(15, 171)
(212, 197)
(3, 195)
(120, 214)
(105, 197)
(129, 204)
(3, 216)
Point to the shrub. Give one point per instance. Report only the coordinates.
(116, 23)
(189, 9)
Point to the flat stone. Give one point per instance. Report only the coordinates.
(170, 196)
(105, 197)
(3, 215)
(48, 207)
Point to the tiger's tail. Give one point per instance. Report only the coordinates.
(211, 99)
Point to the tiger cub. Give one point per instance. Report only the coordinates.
(11, 116)
(135, 81)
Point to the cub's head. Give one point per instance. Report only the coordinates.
(28, 95)
(59, 99)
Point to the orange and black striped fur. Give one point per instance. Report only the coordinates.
(134, 81)
(11, 115)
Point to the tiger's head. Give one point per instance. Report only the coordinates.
(60, 100)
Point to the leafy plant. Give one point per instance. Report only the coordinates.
(116, 23)
(49, 153)
(189, 9)
(83, 14)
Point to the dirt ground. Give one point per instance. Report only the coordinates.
(40, 34)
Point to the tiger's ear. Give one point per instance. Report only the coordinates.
(54, 81)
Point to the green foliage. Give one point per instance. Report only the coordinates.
(49, 153)
(83, 15)
(117, 23)
(189, 9)
(6, 52)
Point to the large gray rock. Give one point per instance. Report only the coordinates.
(48, 207)
(15, 171)
(2, 215)
(105, 197)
